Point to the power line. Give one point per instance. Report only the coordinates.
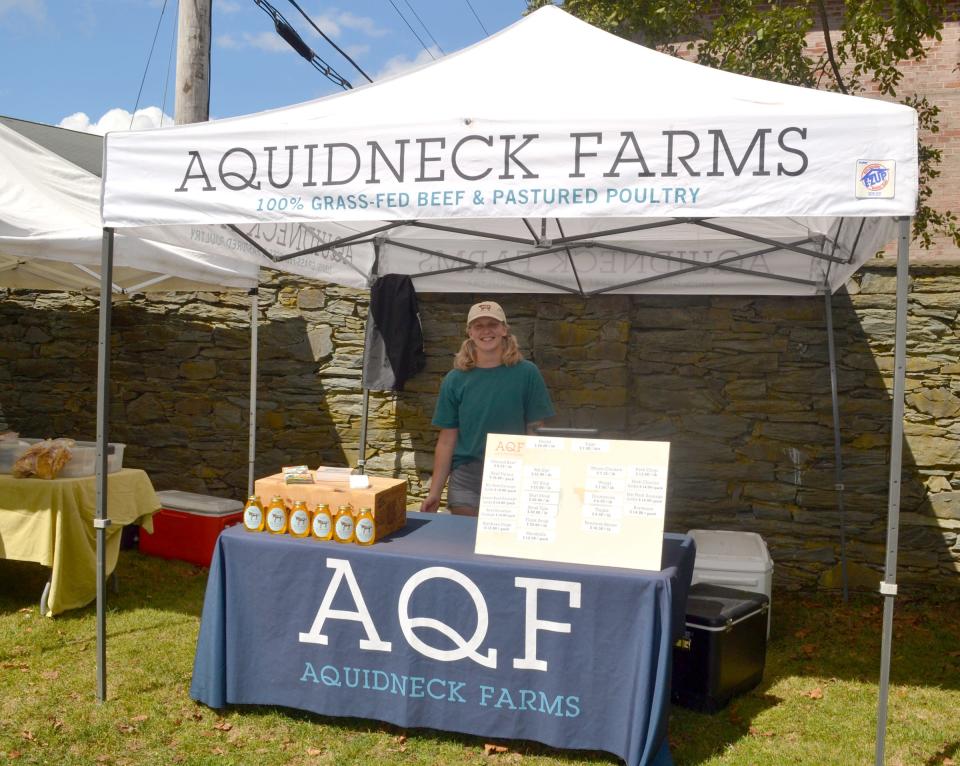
(337, 47)
(477, 18)
(417, 16)
(412, 30)
(296, 42)
(147, 67)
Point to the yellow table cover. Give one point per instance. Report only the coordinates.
(50, 522)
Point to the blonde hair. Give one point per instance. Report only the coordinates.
(466, 357)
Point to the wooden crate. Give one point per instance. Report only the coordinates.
(387, 498)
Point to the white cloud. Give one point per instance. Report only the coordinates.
(266, 41)
(226, 41)
(117, 119)
(334, 21)
(355, 51)
(401, 63)
(35, 8)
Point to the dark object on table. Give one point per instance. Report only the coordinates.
(724, 648)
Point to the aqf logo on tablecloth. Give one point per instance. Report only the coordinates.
(875, 179)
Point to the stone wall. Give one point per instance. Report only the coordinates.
(739, 386)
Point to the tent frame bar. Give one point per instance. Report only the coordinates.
(694, 265)
(101, 522)
(767, 241)
(544, 246)
(254, 294)
(837, 450)
(888, 587)
(280, 258)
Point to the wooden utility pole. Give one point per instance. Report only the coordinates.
(193, 62)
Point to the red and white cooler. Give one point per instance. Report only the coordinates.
(187, 526)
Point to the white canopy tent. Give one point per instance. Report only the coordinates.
(51, 235)
(613, 169)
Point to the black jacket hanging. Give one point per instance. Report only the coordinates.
(396, 315)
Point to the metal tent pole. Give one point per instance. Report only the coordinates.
(252, 450)
(101, 522)
(888, 587)
(362, 459)
(365, 411)
(837, 453)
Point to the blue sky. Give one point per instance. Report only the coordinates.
(79, 63)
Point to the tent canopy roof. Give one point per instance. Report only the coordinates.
(505, 173)
(50, 231)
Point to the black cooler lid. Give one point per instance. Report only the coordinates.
(715, 606)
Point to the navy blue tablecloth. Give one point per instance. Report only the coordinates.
(419, 631)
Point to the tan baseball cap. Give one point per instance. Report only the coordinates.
(486, 309)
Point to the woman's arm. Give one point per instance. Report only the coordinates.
(442, 461)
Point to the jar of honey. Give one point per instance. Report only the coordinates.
(276, 516)
(253, 514)
(365, 532)
(299, 519)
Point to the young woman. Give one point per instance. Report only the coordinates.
(491, 389)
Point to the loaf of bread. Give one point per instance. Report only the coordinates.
(44, 460)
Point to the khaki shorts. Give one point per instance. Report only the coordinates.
(463, 487)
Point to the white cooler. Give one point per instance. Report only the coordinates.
(734, 560)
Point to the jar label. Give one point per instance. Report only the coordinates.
(344, 528)
(364, 531)
(275, 519)
(321, 525)
(299, 522)
(252, 518)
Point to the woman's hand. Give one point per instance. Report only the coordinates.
(431, 504)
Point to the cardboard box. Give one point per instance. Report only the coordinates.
(387, 498)
(724, 647)
(187, 526)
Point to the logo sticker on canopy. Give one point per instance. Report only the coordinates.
(875, 179)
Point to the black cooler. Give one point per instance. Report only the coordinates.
(723, 649)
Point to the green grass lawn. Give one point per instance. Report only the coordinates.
(816, 705)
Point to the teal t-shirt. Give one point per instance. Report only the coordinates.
(500, 400)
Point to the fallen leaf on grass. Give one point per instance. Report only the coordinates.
(401, 738)
(755, 732)
(15, 666)
(26, 610)
(952, 654)
(223, 726)
(28, 735)
(140, 717)
(492, 749)
(218, 751)
(13, 754)
(57, 724)
(948, 762)
(126, 728)
(314, 751)
(50, 675)
(802, 633)
(809, 649)
(814, 694)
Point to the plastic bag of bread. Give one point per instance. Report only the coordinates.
(44, 460)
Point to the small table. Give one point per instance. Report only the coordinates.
(50, 522)
(419, 631)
